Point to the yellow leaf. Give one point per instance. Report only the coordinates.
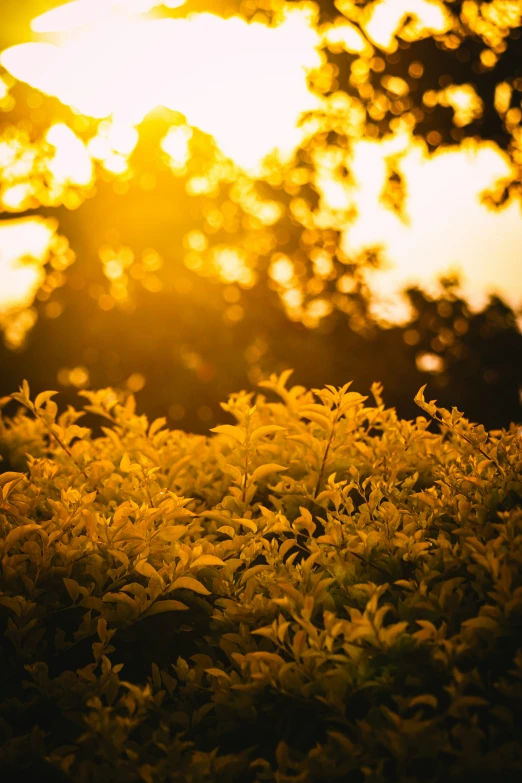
(248, 523)
(8, 488)
(43, 397)
(156, 425)
(190, 583)
(18, 533)
(253, 571)
(266, 657)
(207, 560)
(123, 510)
(172, 532)
(288, 544)
(10, 476)
(318, 418)
(72, 587)
(425, 698)
(88, 499)
(170, 605)
(217, 673)
(233, 432)
(227, 530)
(125, 463)
(265, 470)
(145, 569)
(267, 429)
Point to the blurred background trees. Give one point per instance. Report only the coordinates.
(174, 272)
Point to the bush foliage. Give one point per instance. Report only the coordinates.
(318, 592)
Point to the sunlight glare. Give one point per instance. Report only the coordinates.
(242, 83)
(81, 13)
(448, 228)
(384, 19)
(24, 248)
(71, 162)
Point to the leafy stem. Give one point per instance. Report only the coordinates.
(325, 455)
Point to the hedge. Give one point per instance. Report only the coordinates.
(318, 592)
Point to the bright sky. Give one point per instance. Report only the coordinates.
(447, 227)
(245, 84)
(24, 248)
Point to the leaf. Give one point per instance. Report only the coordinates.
(9, 476)
(12, 603)
(248, 523)
(207, 560)
(350, 400)
(89, 498)
(425, 698)
(123, 511)
(8, 488)
(145, 569)
(156, 425)
(265, 470)
(266, 657)
(318, 418)
(168, 605)
(286, 546)
(232, 431)
(189, 583)
(487, 623)
(218, 673)
(267, 429)
(419, 397)
(172, 532)
(227, 530)
(120, 555)
(119, 598)
(18, 533)
(253, 571)
(125, 463)
(232, 470)
(72, 587)
(90, 519)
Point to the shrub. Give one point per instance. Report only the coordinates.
(318, 592)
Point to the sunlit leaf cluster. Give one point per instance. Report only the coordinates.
(317, 591)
